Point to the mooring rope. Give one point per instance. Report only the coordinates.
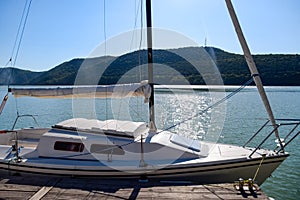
(263, 157)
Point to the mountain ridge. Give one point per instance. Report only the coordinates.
(275, 69)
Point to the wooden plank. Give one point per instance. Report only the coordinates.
(15, 195)
(47, 188)
(44, 190)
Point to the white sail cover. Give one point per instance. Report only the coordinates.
(111, 125)
(106, 91)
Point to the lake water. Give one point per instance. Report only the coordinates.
(233, 122)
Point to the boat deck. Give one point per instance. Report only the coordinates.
(29, 187)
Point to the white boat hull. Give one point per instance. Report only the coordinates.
(165, 156)
(212, 172)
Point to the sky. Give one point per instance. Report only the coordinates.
(60, 30)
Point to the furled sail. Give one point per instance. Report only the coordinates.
(103, 91)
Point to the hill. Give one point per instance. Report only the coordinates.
(14, 76)
(190, 65)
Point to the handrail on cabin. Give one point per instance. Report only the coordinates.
(19, 116)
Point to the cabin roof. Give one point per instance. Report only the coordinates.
(111, 125)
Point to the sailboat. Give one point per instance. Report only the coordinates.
(131, 150)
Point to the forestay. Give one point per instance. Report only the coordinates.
(103, 91)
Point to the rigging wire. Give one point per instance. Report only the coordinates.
(200, 113)
(141, 40)
(18, 40)
(135, 21)
(104, 32)
(211, 106)
(138, 7)
(18, 33)
(138, 104)
(140, 48)
(17, 44)
(205, 110)
(104, 25)
(22, 32)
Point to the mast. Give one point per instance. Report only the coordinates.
(150, 67)
(251, 65)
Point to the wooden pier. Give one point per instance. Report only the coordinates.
(34, 188)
